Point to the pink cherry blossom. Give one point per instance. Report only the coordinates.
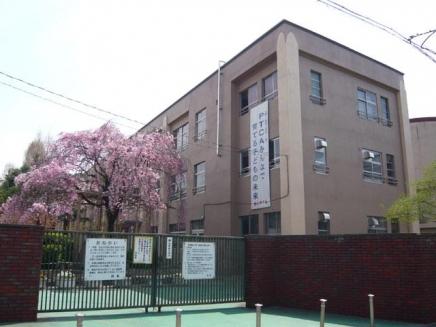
(101, 168)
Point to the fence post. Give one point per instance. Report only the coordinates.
(179, 317)
(79, 319)
(154, 271)
(258, 314)
(371, 309)
(322, 316)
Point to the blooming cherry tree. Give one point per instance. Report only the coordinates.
(100, 168)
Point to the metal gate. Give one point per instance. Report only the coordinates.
(64, 288)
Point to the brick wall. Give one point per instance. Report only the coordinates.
(20, 262)
(296, 271)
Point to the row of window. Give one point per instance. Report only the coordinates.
(178, 183)
(250, 224)
(366, 100)
(181, 134)
(249, 97)
(371, 161)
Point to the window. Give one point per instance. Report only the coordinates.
(245, 161)
(385, 113)
(274, 152)
(316, 88)
(269, 86)
(177, 228)
(178, 186)
(181, 137)
(197, 227)
(372, 165)
(249, 224)
(377, 225)
(323, 223)
(367, 104)
(200, 125)
(320, 156)
(390, 169)
(154, 229)
(248, 98)
(395, 226)
(272, 223)
(200, 177)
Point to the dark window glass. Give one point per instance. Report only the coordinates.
(316, 86)
(272, 223)
(385, 113)
(269, 86)
(367, 104)
(249, 224)
(245, 161)
(323, 223)
(274, 152)
(248, 98)
(377, 225)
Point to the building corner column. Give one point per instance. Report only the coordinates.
(407, 153)
(291, 136)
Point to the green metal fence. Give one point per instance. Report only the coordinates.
(63, 286)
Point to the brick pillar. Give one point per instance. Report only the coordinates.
(20, 263)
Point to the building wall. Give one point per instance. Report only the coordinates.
(295, 189)
(423, 132)
(20, 258)
(298, 271)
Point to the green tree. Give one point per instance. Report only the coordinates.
(421, 206)
(8, 187)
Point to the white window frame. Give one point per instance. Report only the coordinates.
(273, 93)
(318, 166)
(245, 109)
(367, 101)
(181, 137)
(200, 120)
(274, 157)
(369, 156)
(197, 173)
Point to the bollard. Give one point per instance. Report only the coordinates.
(371, 309)
(258, 314)
(79, 319)
(179, 317)
(322, 316)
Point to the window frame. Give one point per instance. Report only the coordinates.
(367, 101)
(274, 91)
(274, 156)
(320, 167)
(378, 230)
(199, 188)
(197, 231)
(385, 112)
(178, 186)
(181, 133)
(322, 219)
(372, 176)
(200, 135)
(244, 171)
(391, 174)
(245, 109)
(250, 218)
(277, 216)
(319, 97)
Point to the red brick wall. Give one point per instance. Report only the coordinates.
(296, 271)
(20, 262)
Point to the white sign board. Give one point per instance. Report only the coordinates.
(198, 260)
(169, 248)
(143, 249)
(259, 157)
(105, 259)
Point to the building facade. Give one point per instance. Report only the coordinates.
(424, 153)
(339, 147)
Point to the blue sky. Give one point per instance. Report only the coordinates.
(137, 57)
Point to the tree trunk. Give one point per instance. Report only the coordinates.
(111, 218)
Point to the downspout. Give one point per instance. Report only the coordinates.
(218, 109)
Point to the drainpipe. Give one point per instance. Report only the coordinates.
(218, 108)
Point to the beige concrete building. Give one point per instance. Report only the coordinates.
(339, 142)
(424, 153)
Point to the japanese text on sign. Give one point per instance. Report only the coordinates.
(259, 157)
(105, 259)
(198, 260)
(143, 249)
(169, 248)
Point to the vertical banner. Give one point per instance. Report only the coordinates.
(143, 249)
(259, 157)
(105, 259)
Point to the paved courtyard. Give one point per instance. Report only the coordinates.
(200, 316)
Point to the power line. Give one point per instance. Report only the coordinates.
(430, 54)
(71, 99)
(61, 104)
